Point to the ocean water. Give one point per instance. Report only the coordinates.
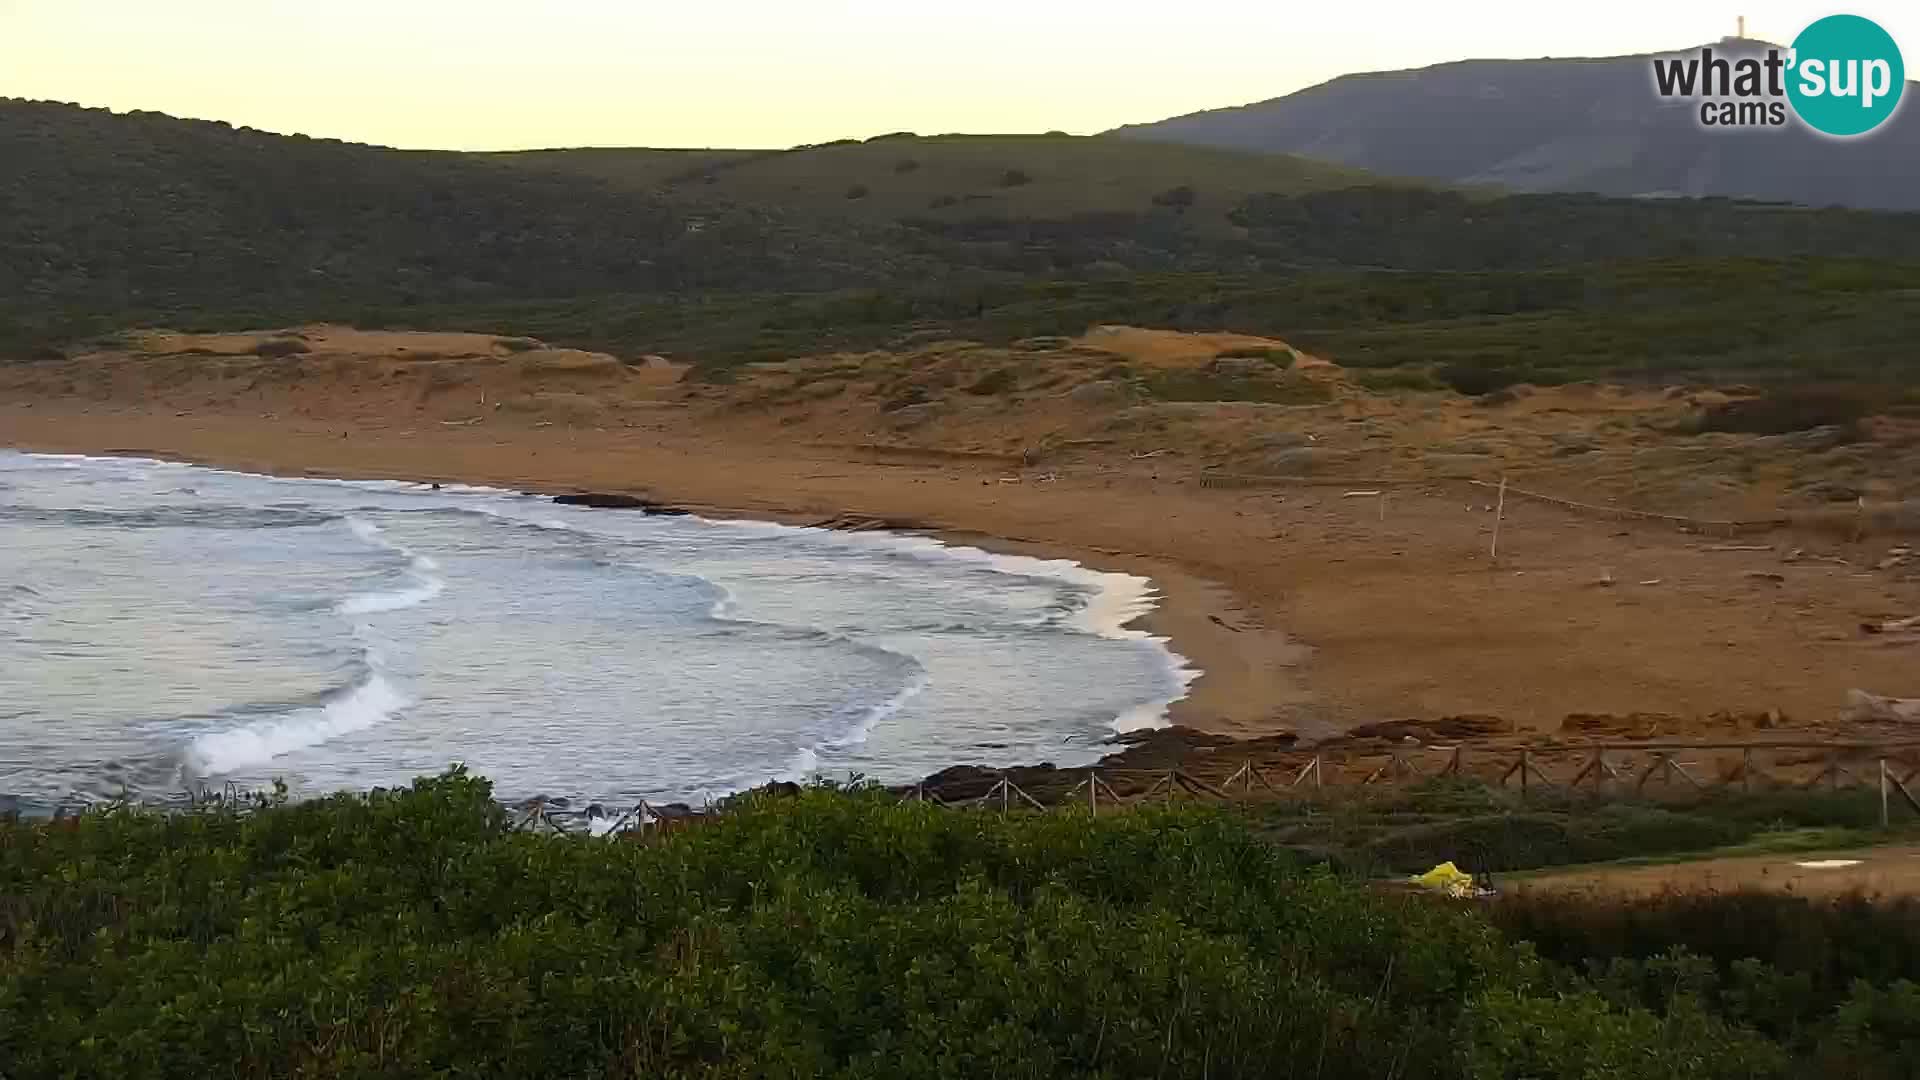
(165, 628)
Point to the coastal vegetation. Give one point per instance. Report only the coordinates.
(728, 257)
(411, 931)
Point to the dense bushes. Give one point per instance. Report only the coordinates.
(110, 216)
(1829, 980)
(1698, 321)
(1473, 379)
(1408, 828)
(408, 932)
(1281, 389)
(1280, 355)
(1419, 228)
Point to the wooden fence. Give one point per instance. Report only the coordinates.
(1594, 769)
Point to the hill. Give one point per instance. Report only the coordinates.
(142, 216)
(143, 210)
(1591, 125)
(951, 178)
(113, 220)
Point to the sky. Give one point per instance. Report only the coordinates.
(487, 75)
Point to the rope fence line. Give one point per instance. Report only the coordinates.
(1215, 478)
(1621, 512)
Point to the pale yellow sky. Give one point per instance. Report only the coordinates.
(480, 74)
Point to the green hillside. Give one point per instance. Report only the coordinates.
(122, 212)
(109, 220)
(955, 177)
(641, 168)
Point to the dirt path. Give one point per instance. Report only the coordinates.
(1890, 870)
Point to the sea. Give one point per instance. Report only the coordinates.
(168, 629)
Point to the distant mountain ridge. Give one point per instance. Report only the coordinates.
(1584, 124)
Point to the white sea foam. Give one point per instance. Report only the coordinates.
(1115, 600)
(428, 587)
(421, 570)
(870, 718)
(373, 701)
(801, 767)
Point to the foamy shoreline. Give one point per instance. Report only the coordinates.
(1251, 677)
(1115, 601)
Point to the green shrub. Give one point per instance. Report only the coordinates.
(1015, 178)
(857, 191)
(1387, 380)
(1278, 356)
(1829, 981)
(1474, 380)
(411, 933)
(1218, 386)
(1789, 409)
(1513, 841)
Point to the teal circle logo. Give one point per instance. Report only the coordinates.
(1846, 75)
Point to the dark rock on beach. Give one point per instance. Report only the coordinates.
(613, 500)
(961, 782)
(1144, 756)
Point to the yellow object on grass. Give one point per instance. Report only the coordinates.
(1445, 878)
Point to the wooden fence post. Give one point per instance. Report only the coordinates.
(1596, 765)
(1900, 786)
(1659, 760)
(1883, 793)
(1493, 553)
